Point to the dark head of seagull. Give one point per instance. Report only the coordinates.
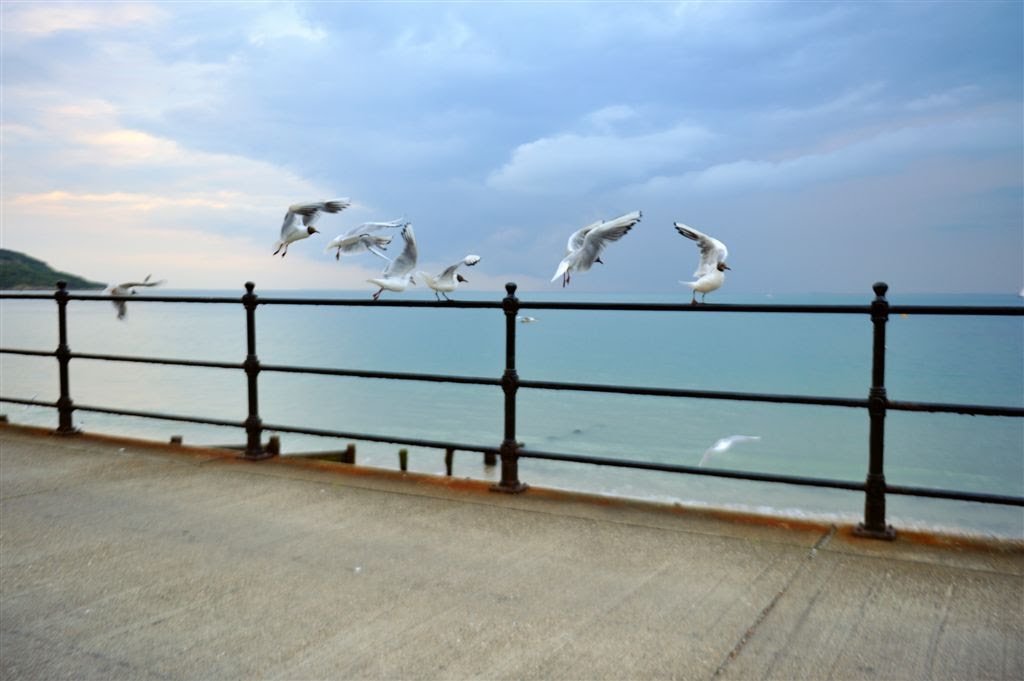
(722, 266)
(313, 230)
(459, 278)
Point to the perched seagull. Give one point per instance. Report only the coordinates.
(585, 245)
(526, 320)
(711, 270)
(364, 238)
(310, 213)
(129, 288)
(398, 274)
(724, 445)
(449, 280)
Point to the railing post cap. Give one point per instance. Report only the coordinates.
(510, 288)
(62, 285)
(249, 286)
(880, 288)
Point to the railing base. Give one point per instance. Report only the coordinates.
(66, 432)
(861, 530)
(258, 456)
(517, 488)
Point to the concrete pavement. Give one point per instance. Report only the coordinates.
(123, 560)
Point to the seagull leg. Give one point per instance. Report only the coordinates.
(437, 297)
(693, 300)
(278, 249)
(337, 256)
(446, 296)
(377, 294)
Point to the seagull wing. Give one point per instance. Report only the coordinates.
(406, 260)
(371, 227)
(598, 237)
(712, 251)
(290, 225)
(575, 242)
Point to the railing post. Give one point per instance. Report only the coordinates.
(65, 407)
(874, 525)
(253, 424)
(510, 385)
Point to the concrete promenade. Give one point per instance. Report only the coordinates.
(122, 560)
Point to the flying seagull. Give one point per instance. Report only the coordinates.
(724, 445)
(129, 288)
(364, 238)
(449, 280)
(585, 245)
(309, 213)
(398, 274)
(711, 270)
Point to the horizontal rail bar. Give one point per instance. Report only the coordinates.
(35, 353)
(368, 302)
(694, 470)
(391, 375)
(35, 403)
(26, 296)
(703, 307)
(967, 409)
(702, 394)
(157, 360)
(368, 437)
(160, 416)
(988, 310)
(216, 300)
(955, 495)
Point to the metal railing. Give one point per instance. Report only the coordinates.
(510, 450)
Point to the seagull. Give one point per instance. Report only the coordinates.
(724, 445)
(526, 320)
(585, 245)
(711, 270)
(398, 274)
(364, 238)
(129, 288)
(310, 213)
(449, 280)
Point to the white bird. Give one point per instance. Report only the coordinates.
(711, 270)
(526, 320)
(585, 245)
(449, 279)
(129, 288)
(364, 238)
(724, 445)
(309, 214)
(398, 274)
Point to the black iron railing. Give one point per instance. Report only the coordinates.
(510, 450)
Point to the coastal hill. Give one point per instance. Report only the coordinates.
(20, 272)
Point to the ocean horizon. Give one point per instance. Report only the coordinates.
(954, 359)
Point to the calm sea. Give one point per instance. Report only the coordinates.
(977, 360)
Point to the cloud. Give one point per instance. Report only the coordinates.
(876, 151)
(573, 163)
(604, 119)
(282, 21)
(43, 19)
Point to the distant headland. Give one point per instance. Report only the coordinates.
(20, 272)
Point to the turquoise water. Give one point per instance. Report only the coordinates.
(930, 358)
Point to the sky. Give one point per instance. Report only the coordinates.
(828, 145)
